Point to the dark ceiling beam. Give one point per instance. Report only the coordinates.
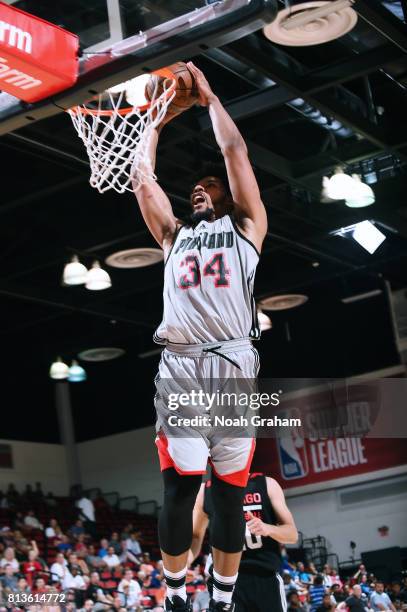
(383, 21)
(52, 300)
(263, 57)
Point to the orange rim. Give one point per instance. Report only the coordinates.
(163, 72)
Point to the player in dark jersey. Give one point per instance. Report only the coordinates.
(269, 523)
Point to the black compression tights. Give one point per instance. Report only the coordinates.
(175, 522)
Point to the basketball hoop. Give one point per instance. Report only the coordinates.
(115, 127)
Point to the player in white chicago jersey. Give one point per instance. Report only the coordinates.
(208, 324)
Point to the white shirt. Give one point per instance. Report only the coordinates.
(14, 564)
(111, 560)
(73, 582)
(133, 592)
(50, 532)
(58, 571)
(133, 546)
(31, 521)
(87, 507)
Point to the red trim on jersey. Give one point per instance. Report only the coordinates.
(166, 461)
(239, 479)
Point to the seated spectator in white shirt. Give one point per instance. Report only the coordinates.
(379, 600)
(9, 558)
(111, 559)
(129, 590)
(52, 529)
(30, 520)
(59, 568)
(132, 544)
(73, 580)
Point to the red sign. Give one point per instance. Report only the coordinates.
(302, 461)
(37, 58)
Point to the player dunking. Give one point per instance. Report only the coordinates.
(209, 322)
(259, 587)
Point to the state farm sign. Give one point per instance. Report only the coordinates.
(37, 58)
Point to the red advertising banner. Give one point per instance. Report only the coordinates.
(37, 58)
(295, 462)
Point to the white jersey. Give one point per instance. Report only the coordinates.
(208, 285)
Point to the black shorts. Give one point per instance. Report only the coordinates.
(254, 593)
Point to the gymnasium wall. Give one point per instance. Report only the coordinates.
(126, 463)
(32, 462)
(322, 513)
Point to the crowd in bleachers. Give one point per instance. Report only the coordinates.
(81, 555)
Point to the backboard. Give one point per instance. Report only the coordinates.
(121, 39)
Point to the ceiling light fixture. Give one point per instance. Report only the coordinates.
(365, 233)
(97, 279)
(59, 370)
(363, 195)
(264, 321)
(76, 372)
(74, 272)
(339, 187)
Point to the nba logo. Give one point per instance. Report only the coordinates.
(292, 452)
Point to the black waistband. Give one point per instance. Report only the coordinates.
(256, 570)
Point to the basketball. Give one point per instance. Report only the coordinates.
(186, 94)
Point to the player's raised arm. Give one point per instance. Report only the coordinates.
(250, 212)
(155, 205)
(286, 531)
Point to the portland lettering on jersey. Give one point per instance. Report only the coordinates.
(206, 240)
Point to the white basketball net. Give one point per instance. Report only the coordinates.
(117, 144)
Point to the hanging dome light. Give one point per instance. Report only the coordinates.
(76, 372)
(74, 272)
(363, 194)
(264, 321)
(97, 279)
(340, 186)
(59, 370)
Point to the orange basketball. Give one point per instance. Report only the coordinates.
(186, 94)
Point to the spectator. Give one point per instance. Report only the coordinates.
(104, 545)
(326, 605)
(9, 579)
(39, 587)
(129, 590)
(355, 602)
(111, 560)
(127, 531)
(289, 584)
(12, 495)
(317, 592)
(337, 593)
(77, 529)
(73, 579)
(95, 592)
(28, 494)
(365, 586)
(32, 566)
(157, 576)
(301, 576)
(115, 542)
(200, 601)
(133, 546)
(80, 545)
(327, 576)
(50, 500)
(87, 514)
(18, 522)
(75, 560)
(92, 559)
(294, 603)
(31, 521)
(360, 572)
(10, 559)
(397, 596)
(50, 531)
(59, 568)
(117, 606)
(379, 600)
(65, 544)
(22, 587)
(146, 565)
(88, 606)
